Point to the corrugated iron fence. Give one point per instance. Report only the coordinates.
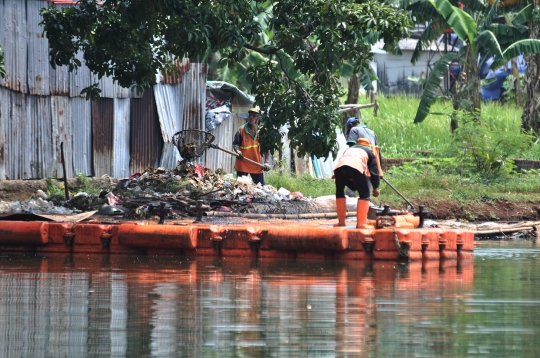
(123, 133)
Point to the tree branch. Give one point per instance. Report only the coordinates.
(276, 49)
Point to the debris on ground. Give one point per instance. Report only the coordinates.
(183, 191)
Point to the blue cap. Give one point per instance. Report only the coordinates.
(349, 122)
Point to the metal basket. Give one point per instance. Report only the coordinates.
(191, 143)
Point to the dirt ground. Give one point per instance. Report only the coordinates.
(498, 210)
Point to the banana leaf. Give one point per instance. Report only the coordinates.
(461, 23)
(524, 15)
(433, 84)
(527, 47)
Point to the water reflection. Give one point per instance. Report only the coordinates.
(91, 305)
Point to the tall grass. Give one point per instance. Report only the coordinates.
(401, 138)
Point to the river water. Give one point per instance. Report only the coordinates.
(61, 305)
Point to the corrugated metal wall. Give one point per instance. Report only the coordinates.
(14, 34)
(41, 107)
(121, 138)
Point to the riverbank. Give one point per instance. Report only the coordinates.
(464, 204)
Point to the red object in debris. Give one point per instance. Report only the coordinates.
(297, 195)
(135, 175)
(224, 209)
(112, 199)
(200, 170)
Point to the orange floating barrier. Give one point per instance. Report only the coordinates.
(307, 238)
(24, 233)
(397, 240)
(397, 243)
(158, 236)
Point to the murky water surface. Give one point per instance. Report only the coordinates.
(92, 305)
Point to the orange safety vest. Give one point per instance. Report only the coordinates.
(375, 149)
(250, 149)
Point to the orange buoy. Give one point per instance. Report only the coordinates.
(24, 232)
(158, 236)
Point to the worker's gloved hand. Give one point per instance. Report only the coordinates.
(376, 192)
(266, 167)
(240, 156)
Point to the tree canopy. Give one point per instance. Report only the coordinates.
(300, 46)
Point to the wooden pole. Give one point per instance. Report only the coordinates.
(64, 170)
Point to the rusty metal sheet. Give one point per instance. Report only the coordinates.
(121, 154)
(183, 67)
(81, 121)
(146, 138)
(38, 50)
(14, 44)
(103, 135)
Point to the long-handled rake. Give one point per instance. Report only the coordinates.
(192, 143)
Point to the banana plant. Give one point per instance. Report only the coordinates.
(480, 38)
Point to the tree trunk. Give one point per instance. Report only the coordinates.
(517, 86)
(473, 78)
(531, 86)
(352, 96)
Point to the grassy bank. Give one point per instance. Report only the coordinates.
(401, 138)
(472, 170)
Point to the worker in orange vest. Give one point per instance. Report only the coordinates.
(246, 144)
(359, 165)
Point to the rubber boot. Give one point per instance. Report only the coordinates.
(341, 207)
(362, 209)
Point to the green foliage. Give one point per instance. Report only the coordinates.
(509, 94)
(432, 85)
(54, 188)
(486, 152)
(305, 184)
(2, 64)
(291, 51)
(399, 137)
(481, 38)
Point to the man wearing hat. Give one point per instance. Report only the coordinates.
(357, 168)
(356, 130)
(246, 144)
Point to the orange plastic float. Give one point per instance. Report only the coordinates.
(393, 237)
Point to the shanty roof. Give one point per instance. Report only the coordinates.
(244, 99)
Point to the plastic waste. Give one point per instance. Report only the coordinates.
(41, 194)
(4, 207)
(112, 199)
(16, 207)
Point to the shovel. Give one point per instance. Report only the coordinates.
(398, 193)
(236, 155)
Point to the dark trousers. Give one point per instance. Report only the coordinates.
(257, 178)
(347, 176)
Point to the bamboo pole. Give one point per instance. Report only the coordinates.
(278, 216)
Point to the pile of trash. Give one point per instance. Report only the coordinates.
(183, 191)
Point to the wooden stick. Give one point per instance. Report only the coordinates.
(503, 231)
(278, 216)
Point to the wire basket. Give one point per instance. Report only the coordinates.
(191, 143)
